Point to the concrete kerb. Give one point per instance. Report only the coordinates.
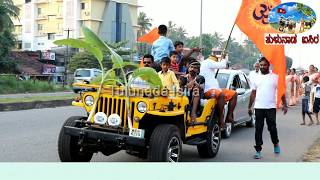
(34, 105)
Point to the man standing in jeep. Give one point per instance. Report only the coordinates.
(212, 88)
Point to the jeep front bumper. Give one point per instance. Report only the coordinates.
(112, 138)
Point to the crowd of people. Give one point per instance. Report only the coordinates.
(177, 70)
(305, 85)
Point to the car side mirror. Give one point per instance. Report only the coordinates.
(240, 91)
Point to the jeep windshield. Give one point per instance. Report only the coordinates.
(82, 73)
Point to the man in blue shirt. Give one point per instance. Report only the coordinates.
(162, 46)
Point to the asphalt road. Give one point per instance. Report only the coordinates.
(31, 136)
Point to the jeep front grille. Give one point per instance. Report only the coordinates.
(115, 106)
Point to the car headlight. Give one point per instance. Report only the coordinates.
(100, 118)
(114, 120)
(89, 100)
(142, 107)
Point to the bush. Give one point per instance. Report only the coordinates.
(10, 85)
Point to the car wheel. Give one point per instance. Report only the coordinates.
(252, 121)
(68, 148)
(76, 91)
(165, 144)
(226, 133)
(213, 138)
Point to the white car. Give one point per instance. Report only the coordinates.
(237, 80)
(84, 75)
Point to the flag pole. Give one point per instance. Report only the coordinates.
(226, 46)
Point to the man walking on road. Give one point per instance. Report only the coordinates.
(263, 94)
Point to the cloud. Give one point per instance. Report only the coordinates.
(292, 8)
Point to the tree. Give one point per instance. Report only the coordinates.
(7, 42)
(177, 34)
(7, 10)
(144, 22)
(209, 41)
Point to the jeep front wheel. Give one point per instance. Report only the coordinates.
(211, 147)
(165, 144)
(68, 148)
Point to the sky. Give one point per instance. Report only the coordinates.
(219, 16)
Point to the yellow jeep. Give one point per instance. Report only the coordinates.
(149, 124)
(154, 126)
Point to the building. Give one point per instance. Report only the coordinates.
(42, 22)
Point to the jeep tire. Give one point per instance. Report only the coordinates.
(213, 138)
(68, 148)
(165, 144)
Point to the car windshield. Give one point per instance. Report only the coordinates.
(223, 79)
(83, 73)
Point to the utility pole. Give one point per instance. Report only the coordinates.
(201, 7)
(66, 61)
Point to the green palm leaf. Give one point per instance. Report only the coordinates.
(77, 43)
(149, 75)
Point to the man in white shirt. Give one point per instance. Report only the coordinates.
(255, 72)
(212, 89)
(264, 88)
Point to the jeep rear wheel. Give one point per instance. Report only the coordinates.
(68, 148)
(211, 147)
(165, 144)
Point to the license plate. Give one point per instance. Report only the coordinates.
(138, 133)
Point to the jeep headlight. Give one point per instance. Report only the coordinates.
(142, 107)
(89, 100)
(100, 118)
(114, 120)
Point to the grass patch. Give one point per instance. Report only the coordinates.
(37, 98)
(10, 85)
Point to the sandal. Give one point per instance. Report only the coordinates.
(310, 124)
(303, 124)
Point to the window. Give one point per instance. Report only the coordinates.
(96, 73)
(39, 11)
(223, 79)
(244, 82)
(235, 83)
(27, 1)
(83, 6)
(27, 45)
(19, 44)
(82, 73)
(50, 36)
(40, 27)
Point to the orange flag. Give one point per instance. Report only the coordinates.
(253, 21)
(150, 37)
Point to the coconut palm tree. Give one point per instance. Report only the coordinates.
(7, 10)
(144, 22)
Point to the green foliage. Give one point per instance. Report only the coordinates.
(144, 22)
(149, 75)
(83, 59)
(7, 42)
(9, 84)
(77, 43)
(7, 10)
(176, 33)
